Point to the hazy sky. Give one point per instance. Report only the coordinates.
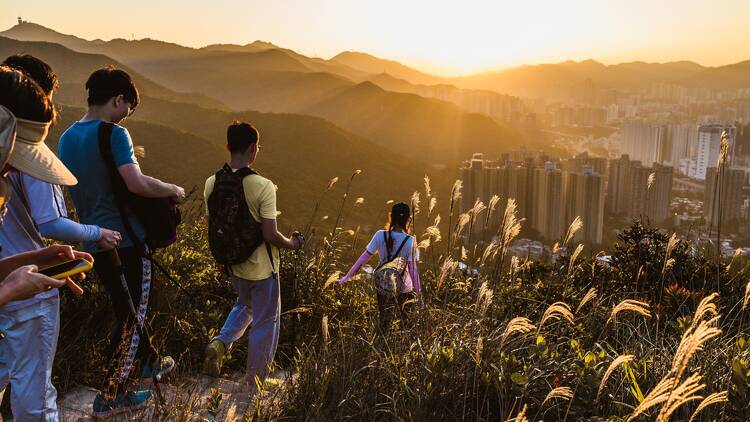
(445, 37)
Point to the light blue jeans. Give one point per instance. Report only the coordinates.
(258, 306)
(26, 356)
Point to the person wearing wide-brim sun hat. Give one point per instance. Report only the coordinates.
(29, 301)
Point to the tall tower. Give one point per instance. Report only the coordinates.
(584, 197)
(548, 202)
(730, 207)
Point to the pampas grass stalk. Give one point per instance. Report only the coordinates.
(714, 398)
(630, 305)
(620, 360)
(516, 325)
(588, 297)
(575, 226)
(564, 393)
(455, 196)
(557, 311)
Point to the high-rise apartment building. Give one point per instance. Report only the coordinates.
(731, 203)
(548, 211)
(576, 163)
(708, 147)
(584, 197)
(642, 141)
(618, 184)
(682, 143)
(629, 194)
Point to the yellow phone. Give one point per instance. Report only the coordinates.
(67, 269)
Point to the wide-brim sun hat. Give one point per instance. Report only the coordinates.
(33, 157)
(7, 135)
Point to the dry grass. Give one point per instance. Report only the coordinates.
(630, 305)
(564, 393)
(588, 297)
(620, 360)
(557, 311)
(520, 325)
(715, 398)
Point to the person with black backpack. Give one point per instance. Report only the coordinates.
(396, 277)
(112, 192)
(244, 239)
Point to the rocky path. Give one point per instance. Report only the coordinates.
(200, 398)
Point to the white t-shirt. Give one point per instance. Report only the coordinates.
(409, 252)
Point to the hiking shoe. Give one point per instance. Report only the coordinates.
(271, 384)
(158, 369)
(214, 355)
(104, 409)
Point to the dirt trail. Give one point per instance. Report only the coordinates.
(199, 398)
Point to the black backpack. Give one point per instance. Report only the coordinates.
(233, 233)
(159, 217)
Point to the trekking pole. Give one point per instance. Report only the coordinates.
(140, 325)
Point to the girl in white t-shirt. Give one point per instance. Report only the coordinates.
(398, 250)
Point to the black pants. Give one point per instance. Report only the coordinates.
(128, 344)
(394, 306)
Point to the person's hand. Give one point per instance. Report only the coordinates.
(178, 194)
(298, 240)
(57, 254)
(109, 239)
(25, 282)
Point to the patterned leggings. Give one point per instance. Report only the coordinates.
(128, 343)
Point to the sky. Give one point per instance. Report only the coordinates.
(448, 38)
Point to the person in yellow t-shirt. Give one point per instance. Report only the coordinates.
(255, 280)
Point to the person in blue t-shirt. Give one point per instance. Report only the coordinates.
(113, 96)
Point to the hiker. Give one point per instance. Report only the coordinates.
(396, 277)
(113, 96)
(247, 243)
(40, 202)
(29, 326)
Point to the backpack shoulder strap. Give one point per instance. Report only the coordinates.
(391, 258)
(116, 182)
(398, 251)
(245, 171)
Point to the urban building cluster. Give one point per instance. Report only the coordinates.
(547, 197)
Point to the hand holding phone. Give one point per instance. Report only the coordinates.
(68, 269)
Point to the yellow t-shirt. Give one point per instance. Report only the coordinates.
(260, 195)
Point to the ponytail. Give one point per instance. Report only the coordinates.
(389, 238)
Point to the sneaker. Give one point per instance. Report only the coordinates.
(272, 384)
(158, 369)
(214, 355)
(104, 409)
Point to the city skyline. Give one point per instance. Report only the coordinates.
(435, 38)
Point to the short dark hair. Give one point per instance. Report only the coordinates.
(109, 82)
(24, 97)
(36, 69)
(240, 136)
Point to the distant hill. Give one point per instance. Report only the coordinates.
(282, 81)
(74, 67)
(261, 76)
(733, 76)
(566, 79)
(185, 144)
(375, 65)
(414, 126)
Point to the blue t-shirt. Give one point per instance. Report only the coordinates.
(79, 151)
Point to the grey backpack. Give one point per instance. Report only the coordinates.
(389, 275)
